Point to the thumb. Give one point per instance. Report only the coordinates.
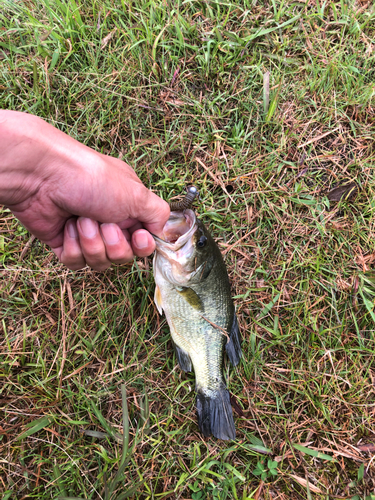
(125, 191)
(107, 189)
(153, 212)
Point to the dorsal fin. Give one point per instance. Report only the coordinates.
(183, 359)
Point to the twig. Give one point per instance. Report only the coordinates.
(220, 182)
(317, 138)
(236, 242)
(216, 326)
(26, 248)
(63, 327)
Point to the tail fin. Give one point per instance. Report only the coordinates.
(215, 414)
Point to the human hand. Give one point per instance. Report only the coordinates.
(59, 189)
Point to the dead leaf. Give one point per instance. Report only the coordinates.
(345, 191)
(46, 35)
(236, 406)
(259, 491)
(303, 483)
(175, 75)
(107, 38)
(366, 447)
(26, 248)
(337, 225)
(176, 102)
(370, 258)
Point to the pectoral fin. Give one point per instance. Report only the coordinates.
(191, 297)
(233, 347)
(158, 300)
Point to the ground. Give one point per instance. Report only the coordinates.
(267, 107)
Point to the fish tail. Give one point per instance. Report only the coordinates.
(215, 414)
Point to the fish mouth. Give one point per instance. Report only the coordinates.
(177, 231)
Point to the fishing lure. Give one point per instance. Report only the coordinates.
(180, 206)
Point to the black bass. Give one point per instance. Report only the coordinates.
(193, 290)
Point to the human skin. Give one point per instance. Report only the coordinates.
(60, 189)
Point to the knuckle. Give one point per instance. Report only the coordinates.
(98, 264)
(100, 267)
(140, 195)
(94, 253)
(122, 261)
(75, 255)
(120, 256)
(73, 263)
(73, 259)
(164, 210)
(97, 260)
(76, 267)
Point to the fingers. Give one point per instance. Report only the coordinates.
(88, 243)
(92, 245)
(71, 254)
(117, 247)
(143, 243)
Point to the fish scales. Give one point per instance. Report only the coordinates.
(194, 334)
(193, 290)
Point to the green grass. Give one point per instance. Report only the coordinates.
(177, 90)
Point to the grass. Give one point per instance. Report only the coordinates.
(180, 91)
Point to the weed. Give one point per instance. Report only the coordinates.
(266, 469)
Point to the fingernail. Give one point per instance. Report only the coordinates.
(110, 233)
(72, 230)
(88, 227)
(141, 239)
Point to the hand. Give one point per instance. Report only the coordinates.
(59, 189)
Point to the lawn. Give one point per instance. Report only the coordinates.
(269, 108)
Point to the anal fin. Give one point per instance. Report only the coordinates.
(233, 347)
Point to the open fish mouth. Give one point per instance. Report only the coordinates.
(177, 231)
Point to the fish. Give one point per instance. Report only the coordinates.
(193, 291)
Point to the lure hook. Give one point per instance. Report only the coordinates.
(179, 206)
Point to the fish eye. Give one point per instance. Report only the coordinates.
(202, 242)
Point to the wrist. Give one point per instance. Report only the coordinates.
(21, 156)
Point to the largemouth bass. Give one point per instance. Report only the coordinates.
(193, 290)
